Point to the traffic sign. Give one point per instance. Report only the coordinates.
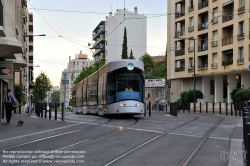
(65, 78)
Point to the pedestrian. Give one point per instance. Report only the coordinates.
(8, 99)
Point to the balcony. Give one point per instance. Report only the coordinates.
(240, 61)
(240, 36)
(190, 49)
(179, 52)
(98, 40)
(227, 41)
(214, 65)
(179, 69)
(180, 33)
(202, 5)
(203, 47)
(101, 29)
(241, 10)
(202, 26)
(190, 8)
(202, 67)
(180, 14)
(191, 28)
(214, 43)
(227, 17)
(190, 69)
(1, 14)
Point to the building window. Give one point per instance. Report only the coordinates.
(242, 3)
(191, 4)
(241, 29)
(215, 37)
(77, 63)
(241, 53)
(215, 13)
(191, 45)
(211, 87)
(215, 60)
(191, 61)
(191, 24)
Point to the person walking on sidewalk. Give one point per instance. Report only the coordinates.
(7, 100)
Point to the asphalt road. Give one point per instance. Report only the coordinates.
(95, 141)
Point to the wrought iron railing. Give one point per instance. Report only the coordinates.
(241, 9)
(203, 47)
(179, 52)
(180, 33)
(241, 60)
(202, 5)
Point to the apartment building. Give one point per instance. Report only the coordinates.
(220, 44)
(108, 35)
(74, 68)
(13, 28)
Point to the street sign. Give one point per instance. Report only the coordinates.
(249, 67)
(165, 86)
(65, 78)
(65, 82)
(6, 70)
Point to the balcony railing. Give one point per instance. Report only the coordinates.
(178, 69)
(241, 60)
(98, 41)
(227, 41)
(202, 67)
(227, 17)
(191, 7)
(241, 9)
(179, 52)
(180, 33)
(203, 47)
(214, 43)
(97, 33)
(202, 26)
(191, 28)
(214, 65)
(241, 35)
(180, 14)
(1, 14)
(202, 5)
(190, 49)
(191, 69)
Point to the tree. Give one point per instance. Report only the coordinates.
(55, 97)
(148, 63)
(131, 55)
(19, 93)
(124, 45)
(41, 87)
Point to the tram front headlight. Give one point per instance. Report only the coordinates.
(138, 105)
(121, 105)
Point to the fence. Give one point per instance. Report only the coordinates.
(43, 111)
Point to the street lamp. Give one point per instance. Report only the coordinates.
(176, 37)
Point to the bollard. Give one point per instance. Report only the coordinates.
(55, 116)
(236, 108)
(232, 109)
(171, 108)
(213, 107)
(62, 111)
(176, 112)
(49, 110)
(188, 107)
(149, 112)
(145, 108)
(183, 107)
(200, 107)
(45, 113)
(246, 119)
(41, 109)
(248, 151)
(219, 107)
(226, 109)
(240, 107)
(206, 108)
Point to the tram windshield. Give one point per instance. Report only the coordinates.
(124, 84)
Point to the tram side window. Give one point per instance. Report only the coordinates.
(111, 89)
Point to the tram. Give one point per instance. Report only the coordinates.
(116, 88)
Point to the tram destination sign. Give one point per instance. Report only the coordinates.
(154, 83)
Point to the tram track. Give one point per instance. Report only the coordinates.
(75, 143)
(190, 155)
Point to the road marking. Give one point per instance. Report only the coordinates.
(234, 139)
(185, 135)
(40, 132)
(154, 131)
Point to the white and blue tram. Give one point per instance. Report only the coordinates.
(116, 88)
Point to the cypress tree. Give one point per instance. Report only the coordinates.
(131, 55)
(124, 45)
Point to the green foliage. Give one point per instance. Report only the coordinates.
(88, 71)
(227, 62)
(242, 95)
(124, 45)
(188, 96)
(148, 63)
(19, 93)
(55, 97)
(232, 94)
(41, 87)
(131, 55)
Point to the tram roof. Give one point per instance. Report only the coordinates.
(117, 64)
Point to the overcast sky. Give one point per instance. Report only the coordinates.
(52, 52)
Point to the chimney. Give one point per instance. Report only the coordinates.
(69, 58)
(135, 10)
(80, 52)
(110, 14)
(76, 56)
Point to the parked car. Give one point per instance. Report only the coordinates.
(163, 103)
